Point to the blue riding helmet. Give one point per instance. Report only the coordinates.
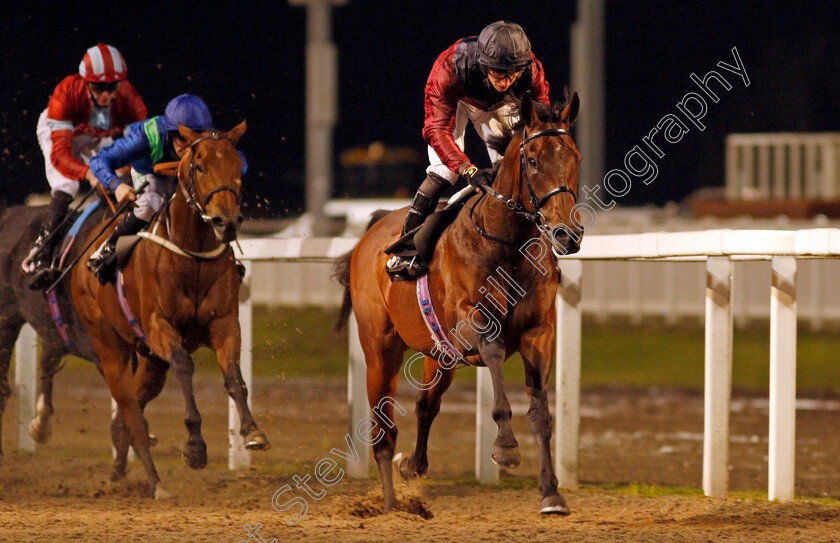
(190, 111)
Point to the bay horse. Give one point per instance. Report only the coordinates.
(535, 187)
(20, 305)
(183, 288)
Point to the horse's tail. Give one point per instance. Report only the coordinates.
(341, 273)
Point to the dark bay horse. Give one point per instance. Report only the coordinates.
(183, 289)
(19, 305)
(536, 192)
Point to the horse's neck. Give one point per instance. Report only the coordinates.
(187, 228)
(496, 219)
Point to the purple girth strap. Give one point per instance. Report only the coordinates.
(427, 309)
(58, 320)
(126, 309)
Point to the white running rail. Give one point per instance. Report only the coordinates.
(718, 248)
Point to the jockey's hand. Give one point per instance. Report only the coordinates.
(124, 193)
(91, 178)
(477, 178)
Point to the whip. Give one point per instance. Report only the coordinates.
(119, 211)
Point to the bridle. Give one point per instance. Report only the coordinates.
(192, 197)
(535, 217)
(191, 193)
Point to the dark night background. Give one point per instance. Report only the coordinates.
(246, 60)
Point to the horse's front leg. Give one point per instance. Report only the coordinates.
(40, 428)
(536, 351)
(165, 341)
(505, 447)
(149, 378)
(114, 356)
(226, 341)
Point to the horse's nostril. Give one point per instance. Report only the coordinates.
(218, 222)
(560, 234)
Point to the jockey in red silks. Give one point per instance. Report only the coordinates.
(474, 80)
(85, 113)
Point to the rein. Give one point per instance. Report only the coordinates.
(535, 217)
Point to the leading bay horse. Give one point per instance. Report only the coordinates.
(495, 244)
(183, 288)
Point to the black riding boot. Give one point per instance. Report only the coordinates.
(42, 271)
(103, 263)
(425, 201)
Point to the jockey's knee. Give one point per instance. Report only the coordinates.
(442, 171)
(144, 213)
(148, 204)
(69, 186)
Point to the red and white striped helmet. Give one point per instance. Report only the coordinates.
(103, 64)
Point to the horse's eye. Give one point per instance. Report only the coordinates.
(533, 163)
(199, 169)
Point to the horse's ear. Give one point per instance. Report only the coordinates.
(570, 112)
(236, 132)
(188, 134)
(527, 111)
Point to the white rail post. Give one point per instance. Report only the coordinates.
(794, 171)
(718, 383)
(763, 170)
(238, 456)
(782, 379)
(357, 397)
(779, 189)
(828, 177)
(26, 382)
(734, 181)
(486, 471)
(751, 186)
(812, 188)
(567, 374)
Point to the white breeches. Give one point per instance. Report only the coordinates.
(154, 197)
(486, 123)
(84, 148)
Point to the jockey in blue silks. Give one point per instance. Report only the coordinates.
(146, 143)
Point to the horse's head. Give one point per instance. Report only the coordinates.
(212, 172)
(548, 170)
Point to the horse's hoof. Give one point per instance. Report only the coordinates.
(195, 454)
(40, 432)
(118, 475)
(397, 460)
(400, 463)
(153, 440)
(554, 505)
(161, 494)
(507, 457)
(256, 441)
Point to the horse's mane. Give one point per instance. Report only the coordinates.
(547, 114)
